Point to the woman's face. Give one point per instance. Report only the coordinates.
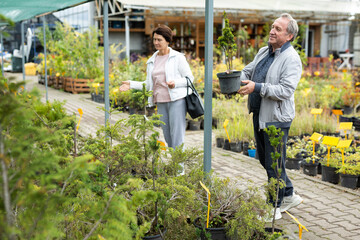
(159, 42)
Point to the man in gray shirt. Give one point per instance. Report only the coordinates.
(271, 79)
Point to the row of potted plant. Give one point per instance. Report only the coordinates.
(331, 167)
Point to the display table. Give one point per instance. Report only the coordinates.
(346, 57)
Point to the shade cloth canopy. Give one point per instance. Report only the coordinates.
(18, 10)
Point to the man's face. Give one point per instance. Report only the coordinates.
(278, 34)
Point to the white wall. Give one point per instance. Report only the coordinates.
(136, 41)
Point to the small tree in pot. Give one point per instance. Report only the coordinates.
(229, 80)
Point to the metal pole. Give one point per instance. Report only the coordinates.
(106, 61)
(2, 55)
(23, 50)
(307, 39)
(127, 37)
(46, 79)
(209, 22)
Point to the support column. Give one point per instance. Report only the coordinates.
(2, 54)
(106, 61)
(46, 78)
(209, 24)
(307, 38)
(127, 37)
(23, 50)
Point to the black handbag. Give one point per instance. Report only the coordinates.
(194, 104)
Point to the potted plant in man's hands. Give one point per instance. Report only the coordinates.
(229, 80)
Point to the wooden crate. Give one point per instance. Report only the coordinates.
(59, 81)
(67, 86)
(77, 85)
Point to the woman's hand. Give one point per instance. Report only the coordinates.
(125, 86)
(171, 84)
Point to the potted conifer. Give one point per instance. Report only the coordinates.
(229, 80)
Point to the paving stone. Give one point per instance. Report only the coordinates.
(347, 225)
(333, 236)
(335, 212)
(340, 206)
(343, 232)
(354, 219)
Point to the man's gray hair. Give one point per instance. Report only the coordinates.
(292, 27)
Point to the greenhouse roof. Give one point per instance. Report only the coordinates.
(18, 10)
(331, 6)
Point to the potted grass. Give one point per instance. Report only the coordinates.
(310, 165)
(350, 171)
(230, 80)
(293, 158)
(330, 168)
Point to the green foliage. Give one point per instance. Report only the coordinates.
(275, 137)
(71, 53)
(240, 211)
(139, 99)
(48, 194)
(227, 43)
(296, 43)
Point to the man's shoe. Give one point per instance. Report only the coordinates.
(290, 202)
(277, 215)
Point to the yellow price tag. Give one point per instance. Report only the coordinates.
(346, 125)
(208, 211)
(333, 141)
(316, 137)
(337, 112)
(96, 85)
(206, 189)
(81, 113)
(301, 227)
(344, 144)
(226, 122)
(316, 111)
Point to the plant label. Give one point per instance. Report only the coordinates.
(316, 137)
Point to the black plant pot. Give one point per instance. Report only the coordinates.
(293, 163)
(226, 145)
(349, 181)
(215, 122)
(194, 125)
(310, 168)
(235, 146)
(132, 110)
(329, 174)
(245, 148)
(220, 142)
(348, 110)
(215, 233)
(155, 237)
(319, 169)
(99, 98)
(229, 83)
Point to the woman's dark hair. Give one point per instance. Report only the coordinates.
(164, 31)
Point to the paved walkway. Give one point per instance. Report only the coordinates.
(328, 211)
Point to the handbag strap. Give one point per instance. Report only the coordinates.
(191, 86)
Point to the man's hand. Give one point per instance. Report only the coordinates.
(248, 88)
(125, 86)
(171, 84)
